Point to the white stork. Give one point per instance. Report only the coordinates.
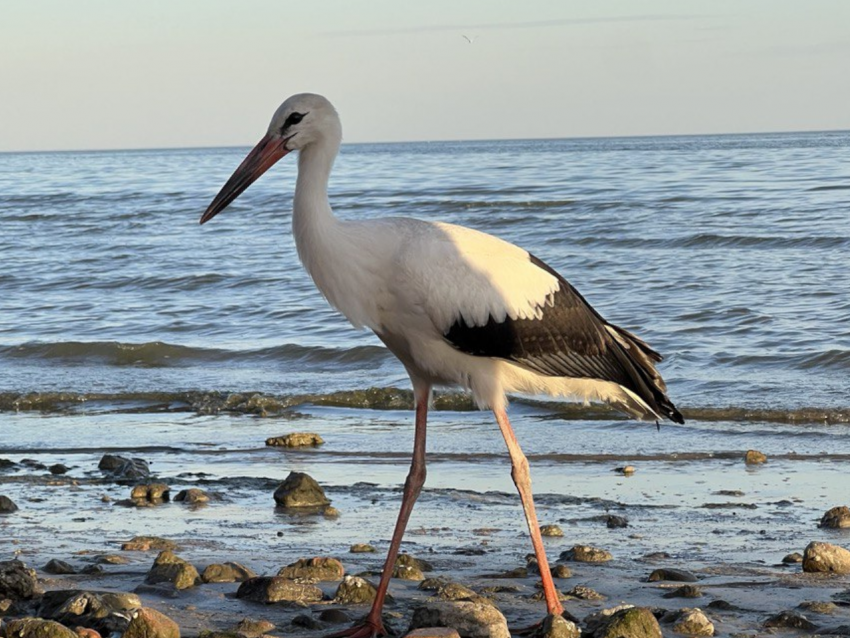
(456, 306)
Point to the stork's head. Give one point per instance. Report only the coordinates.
(301, 121)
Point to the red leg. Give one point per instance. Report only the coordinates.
(372, 625)
(522, 480)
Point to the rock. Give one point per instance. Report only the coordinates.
(362, 548)
(409, 561)
(146, 543)
(626, 470)
(105, 612)
(307, 622)
(58, 468)
(551, 530)
(7, 505)
(789, 620)
(819, 607)
(456, 591)
(469, 619)
(754, 457)
(17, 581)
(676, 575)
(296, 439)
(616, 522)
(254, 628)
(685, 591)
(273, 589)
(170, 568)
(149, 623)
(37, 628)
(192, 496)
(334, 616)
(87, 632)
(433, 632)
(825, 557)
(581, 592)
(120, 467)
(153, 492)
(354, 590)
(793, 558)
(112, 559)
(300, 490)
(692, 622)
(227, 573)
(631, 622)
(586, 554)
(58, 567)
(561, 571)
(836, 518)
(318, 568)
(558, 627)
(408, 572)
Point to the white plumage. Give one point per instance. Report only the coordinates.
(455, 305)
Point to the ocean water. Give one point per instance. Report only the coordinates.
(127, 327)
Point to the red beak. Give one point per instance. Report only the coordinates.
(261, 158)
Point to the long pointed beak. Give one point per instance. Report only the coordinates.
(261, 158)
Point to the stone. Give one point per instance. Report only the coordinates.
(87, 632)
(819, 607)
(456, 591)
(825, 557)
(334, 616)
(362, 548)
(105, 612)
(296, 439)
(254, 628)
(793, 558)
(152, 492)
(408, 572)
(17, 581)
(559, 627)
(625, 470)
(226, 573)
(149, 623)
(633, 622)
(754, 457)
(612, 521)
(789, 620)
(354, 590)
(317, 568)
(58, 468)
(37, 628)
(433, 632)
(123, 468)
(561, 571)
(59, 567)
(170, 568)
(273, 589)
(685, 591)
(586, 554)
(676, 575)
(692, 622)
(7, 505)
(469, 619)
(300, 490)
(307, 622)
(192, 496)
(836, 518)
(419, 563)
(146, 543)
(582, 592)
(551, 530)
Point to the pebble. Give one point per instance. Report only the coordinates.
(254, 628)
(561, 571)
(273, 589)
(7, 505)
(362, 548)
(300, 490)
(469, 619)
(170, 568)
(296, 439)
(229, 572)
(825, 557)
(793, 558)
(626, 470)
(317, 568)
(551, 530)
(586, 554)
(836, 518)
(754, 457)
(149, 623)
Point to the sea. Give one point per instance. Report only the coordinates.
(128, 328)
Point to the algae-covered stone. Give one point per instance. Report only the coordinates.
(559, 627)
(825, 557)
(634, 622)
(227, 573)
(273, 589)
(37, 628)
(586, 554)
(300, 490)
(296, 439)
(254, 628)
(469, 619)
(693, 622)
(192, 496)
(149, 623)
(754, 457)
(409, 561)
(317, 568)
(362, 548)
(354, 590)
(170, 568)
(551, 530)
(146, 543)
(408, 572)
(17, 581)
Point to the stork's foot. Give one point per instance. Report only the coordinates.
(548, 627)
(366, 628)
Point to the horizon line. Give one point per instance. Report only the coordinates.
(441, 141)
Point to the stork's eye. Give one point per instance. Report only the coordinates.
(293, 119)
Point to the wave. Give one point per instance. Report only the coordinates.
(160, 354)
(390, 398)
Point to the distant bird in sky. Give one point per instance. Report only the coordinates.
(470, 40)
(457, 307)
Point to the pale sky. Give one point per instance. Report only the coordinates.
(103, 74)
